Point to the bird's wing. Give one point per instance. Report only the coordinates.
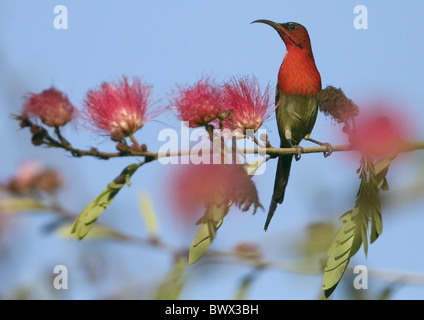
(277, 94)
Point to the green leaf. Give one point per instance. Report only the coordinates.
(11, 205)
(174, 281)
(202, 240)
(89, 215)
(387, 292)
(211, 222)
(382, 167)
(383, 185)
(148, 214)
(381, 170)
(317, 239)
(97, 232)
(380, 183)
(347, 242)
(252, 167)
(373, 204)
(245, 285)
(354, 232)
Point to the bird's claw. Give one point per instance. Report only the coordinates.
(299, 151)
(329, 150)
(328, 146)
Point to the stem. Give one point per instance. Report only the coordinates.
(61, 138)
(209, 129)
(134, 140)
(234, 150)
(255, 140)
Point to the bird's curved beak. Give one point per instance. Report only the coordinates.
(273, 24)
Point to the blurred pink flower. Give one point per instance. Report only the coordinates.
(118, 109)
(250, 107)
(27, 172)
(198, 104)
(381, 131)
(197, 186)
(32, 177)
(51, 106)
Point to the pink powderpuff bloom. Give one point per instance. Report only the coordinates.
(381, 132)
(197, 186)
(27, 173)
(118, 109)
(51, 106)
(250, 108)
(33, 177)
(198, 104)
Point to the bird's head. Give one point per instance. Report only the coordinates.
(293, 34)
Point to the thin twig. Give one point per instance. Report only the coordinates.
(269, 151)
(134, 140)
(255, 261)
(48, 140)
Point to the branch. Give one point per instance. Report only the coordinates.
(42, 136)
(274, 152)
(234, 257)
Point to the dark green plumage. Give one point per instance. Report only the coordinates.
(296, 116)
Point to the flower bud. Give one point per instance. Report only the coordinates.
(51, 106)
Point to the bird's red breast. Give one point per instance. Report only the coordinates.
(298, 73)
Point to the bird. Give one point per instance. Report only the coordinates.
(299, 82)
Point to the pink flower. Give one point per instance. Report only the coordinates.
(51, 106)
(197, 186)
(206, 102)
(250, 108)
(118, 109)
(381, 132)
(32, 177)
(27, 173)
(199, 104)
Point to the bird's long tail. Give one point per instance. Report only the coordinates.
(281, 179)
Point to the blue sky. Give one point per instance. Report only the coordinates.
(176, 42)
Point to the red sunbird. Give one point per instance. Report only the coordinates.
(296, 110)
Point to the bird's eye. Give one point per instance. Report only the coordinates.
(292, 26)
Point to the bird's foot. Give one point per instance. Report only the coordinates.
(328, 146)
(329, 150)
(299, 151)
